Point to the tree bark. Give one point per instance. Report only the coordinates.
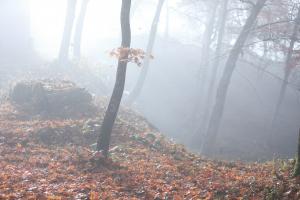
(209, 30)
(218, 109)
(193, 121)
(287, 70)
(79, 29)
(205, 51)
(103, 141)
(142, 77)
(215, 65)
(196, 113)
(219, 47)
(66, 40)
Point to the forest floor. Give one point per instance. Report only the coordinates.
(54, 159)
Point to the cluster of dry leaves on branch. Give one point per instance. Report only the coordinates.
(130, 55)
(53, 159)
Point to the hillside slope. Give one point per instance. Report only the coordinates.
(53, 159)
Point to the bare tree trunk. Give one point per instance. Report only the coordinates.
(219, 47)
(215, 65)
(218, 109)
(209, 30)
(79, 29)
(66, 40)
(287, 71)
(197, 115)
(103, 141)
(142, 77)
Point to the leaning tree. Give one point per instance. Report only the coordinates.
(223, 86)
(115, 100)
(135, 93)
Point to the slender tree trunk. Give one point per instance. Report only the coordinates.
(142, 77)
(215, 65)
(219, 47)
(287, 71)
(66, 40)
(217, 112)
(209, 30)
(115, 100)
(197, 113)
(79, 29)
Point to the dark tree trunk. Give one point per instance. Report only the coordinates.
(79, 29)
(217, 112)
(115, 100)
(142, 77)
(66, 40)
(287, 71)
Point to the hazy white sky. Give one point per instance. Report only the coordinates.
(102, 21)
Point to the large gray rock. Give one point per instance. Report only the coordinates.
(52, 99)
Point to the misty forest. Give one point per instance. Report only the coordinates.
(150, 99)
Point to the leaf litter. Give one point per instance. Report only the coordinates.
(53, 159)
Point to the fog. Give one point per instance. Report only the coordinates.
(176, 97)
(101, 29)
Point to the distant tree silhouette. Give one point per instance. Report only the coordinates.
(289, 64)
(218, 109)
(79, 29)
(63, 56)
(142, 77)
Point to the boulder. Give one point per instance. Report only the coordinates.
(50, 98)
